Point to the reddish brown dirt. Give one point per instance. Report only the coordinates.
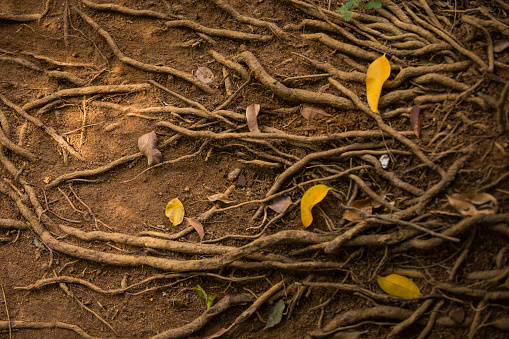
(138, 205)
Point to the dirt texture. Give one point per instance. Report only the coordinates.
(86, 249)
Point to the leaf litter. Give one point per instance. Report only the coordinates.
(473, 204)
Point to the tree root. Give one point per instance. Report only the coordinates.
(135, 63)
(222, 33)
(20, 324)
(250, 20)
(206, 316)
(291, 94)
(129, 11)
(25, 17)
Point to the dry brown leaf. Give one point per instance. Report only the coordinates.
(251, 117)
(364, 205)
(311, 112)
(205, 75)
(474, 203)
(500, 45)
(416, 120)
(280, 204)
(147, 144)
(220, 197)
(198, 227)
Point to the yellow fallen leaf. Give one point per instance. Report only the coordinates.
(312, 197)
(175, 211)
(398, 286)
(377, 73)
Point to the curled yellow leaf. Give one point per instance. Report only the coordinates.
(175, 211)
(398, 286)
(312, 197)
(377, 73)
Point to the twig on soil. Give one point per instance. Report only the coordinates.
(135, 63)
(234, 95)
(83, 91)
(206, 316)
(57, 62)
(192, 102)
(254, 307)
(21, 324)
(70, 294)
(7, 311)
(49, 130)
(172, 161)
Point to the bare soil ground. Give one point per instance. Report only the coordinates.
(87, 251)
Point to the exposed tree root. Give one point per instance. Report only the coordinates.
(20, 324)
(25, 17)
(202, 320)
(430, 66)
(135, 63)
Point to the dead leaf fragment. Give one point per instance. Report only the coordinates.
(474, 203)
(365, 205)
(147, 145)
(311, 112)
(280, 204)
(198, 227)
(220, 197)
(416, 120)
(457, 315)
(251, 117)
(500, 45)
(205, 75)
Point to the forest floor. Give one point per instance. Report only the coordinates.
(86, 249)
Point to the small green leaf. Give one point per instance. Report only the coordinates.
(369, 5)
(210, 301)
(377, 4)
(202, 294)
(276, 314)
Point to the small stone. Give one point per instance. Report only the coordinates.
(47, 180)
(187, 189)
(233, 175)
(384, 161)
